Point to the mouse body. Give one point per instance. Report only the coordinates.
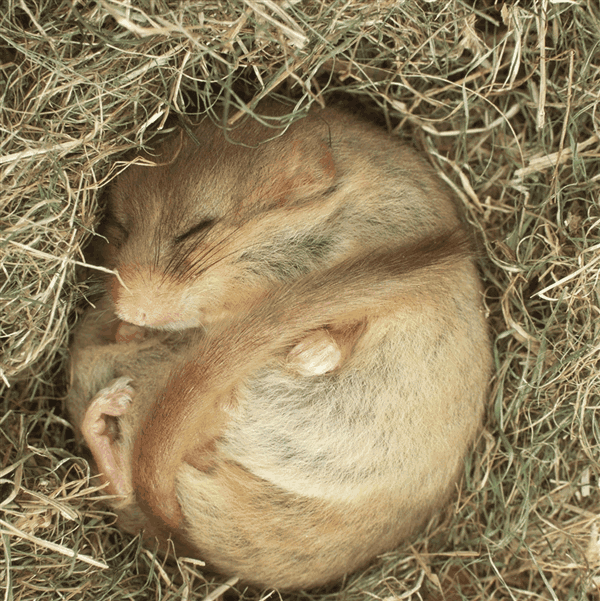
(293, 365)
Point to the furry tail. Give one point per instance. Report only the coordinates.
(192, 411)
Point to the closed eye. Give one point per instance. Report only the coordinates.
(195, 230)
(113, 229)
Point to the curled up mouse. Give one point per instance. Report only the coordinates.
(289, 371)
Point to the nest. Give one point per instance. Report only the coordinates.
(503, 98)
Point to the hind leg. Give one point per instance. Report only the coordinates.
(114, 467)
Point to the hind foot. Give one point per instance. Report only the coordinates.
(112, 401)
(315, 355)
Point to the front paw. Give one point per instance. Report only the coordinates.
(129, 332)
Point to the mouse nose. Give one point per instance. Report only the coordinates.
(161, 315)
(151, 300)
(140, 317)
(137, 317)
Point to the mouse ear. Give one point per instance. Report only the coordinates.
(299, 170)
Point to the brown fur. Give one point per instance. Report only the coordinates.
(313, 359)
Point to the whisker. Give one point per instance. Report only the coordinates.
(199, 264)
(174, 267)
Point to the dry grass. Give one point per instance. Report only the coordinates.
(504, 97)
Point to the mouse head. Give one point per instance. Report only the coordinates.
(206, 223)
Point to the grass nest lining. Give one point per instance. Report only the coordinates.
(504, 98)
